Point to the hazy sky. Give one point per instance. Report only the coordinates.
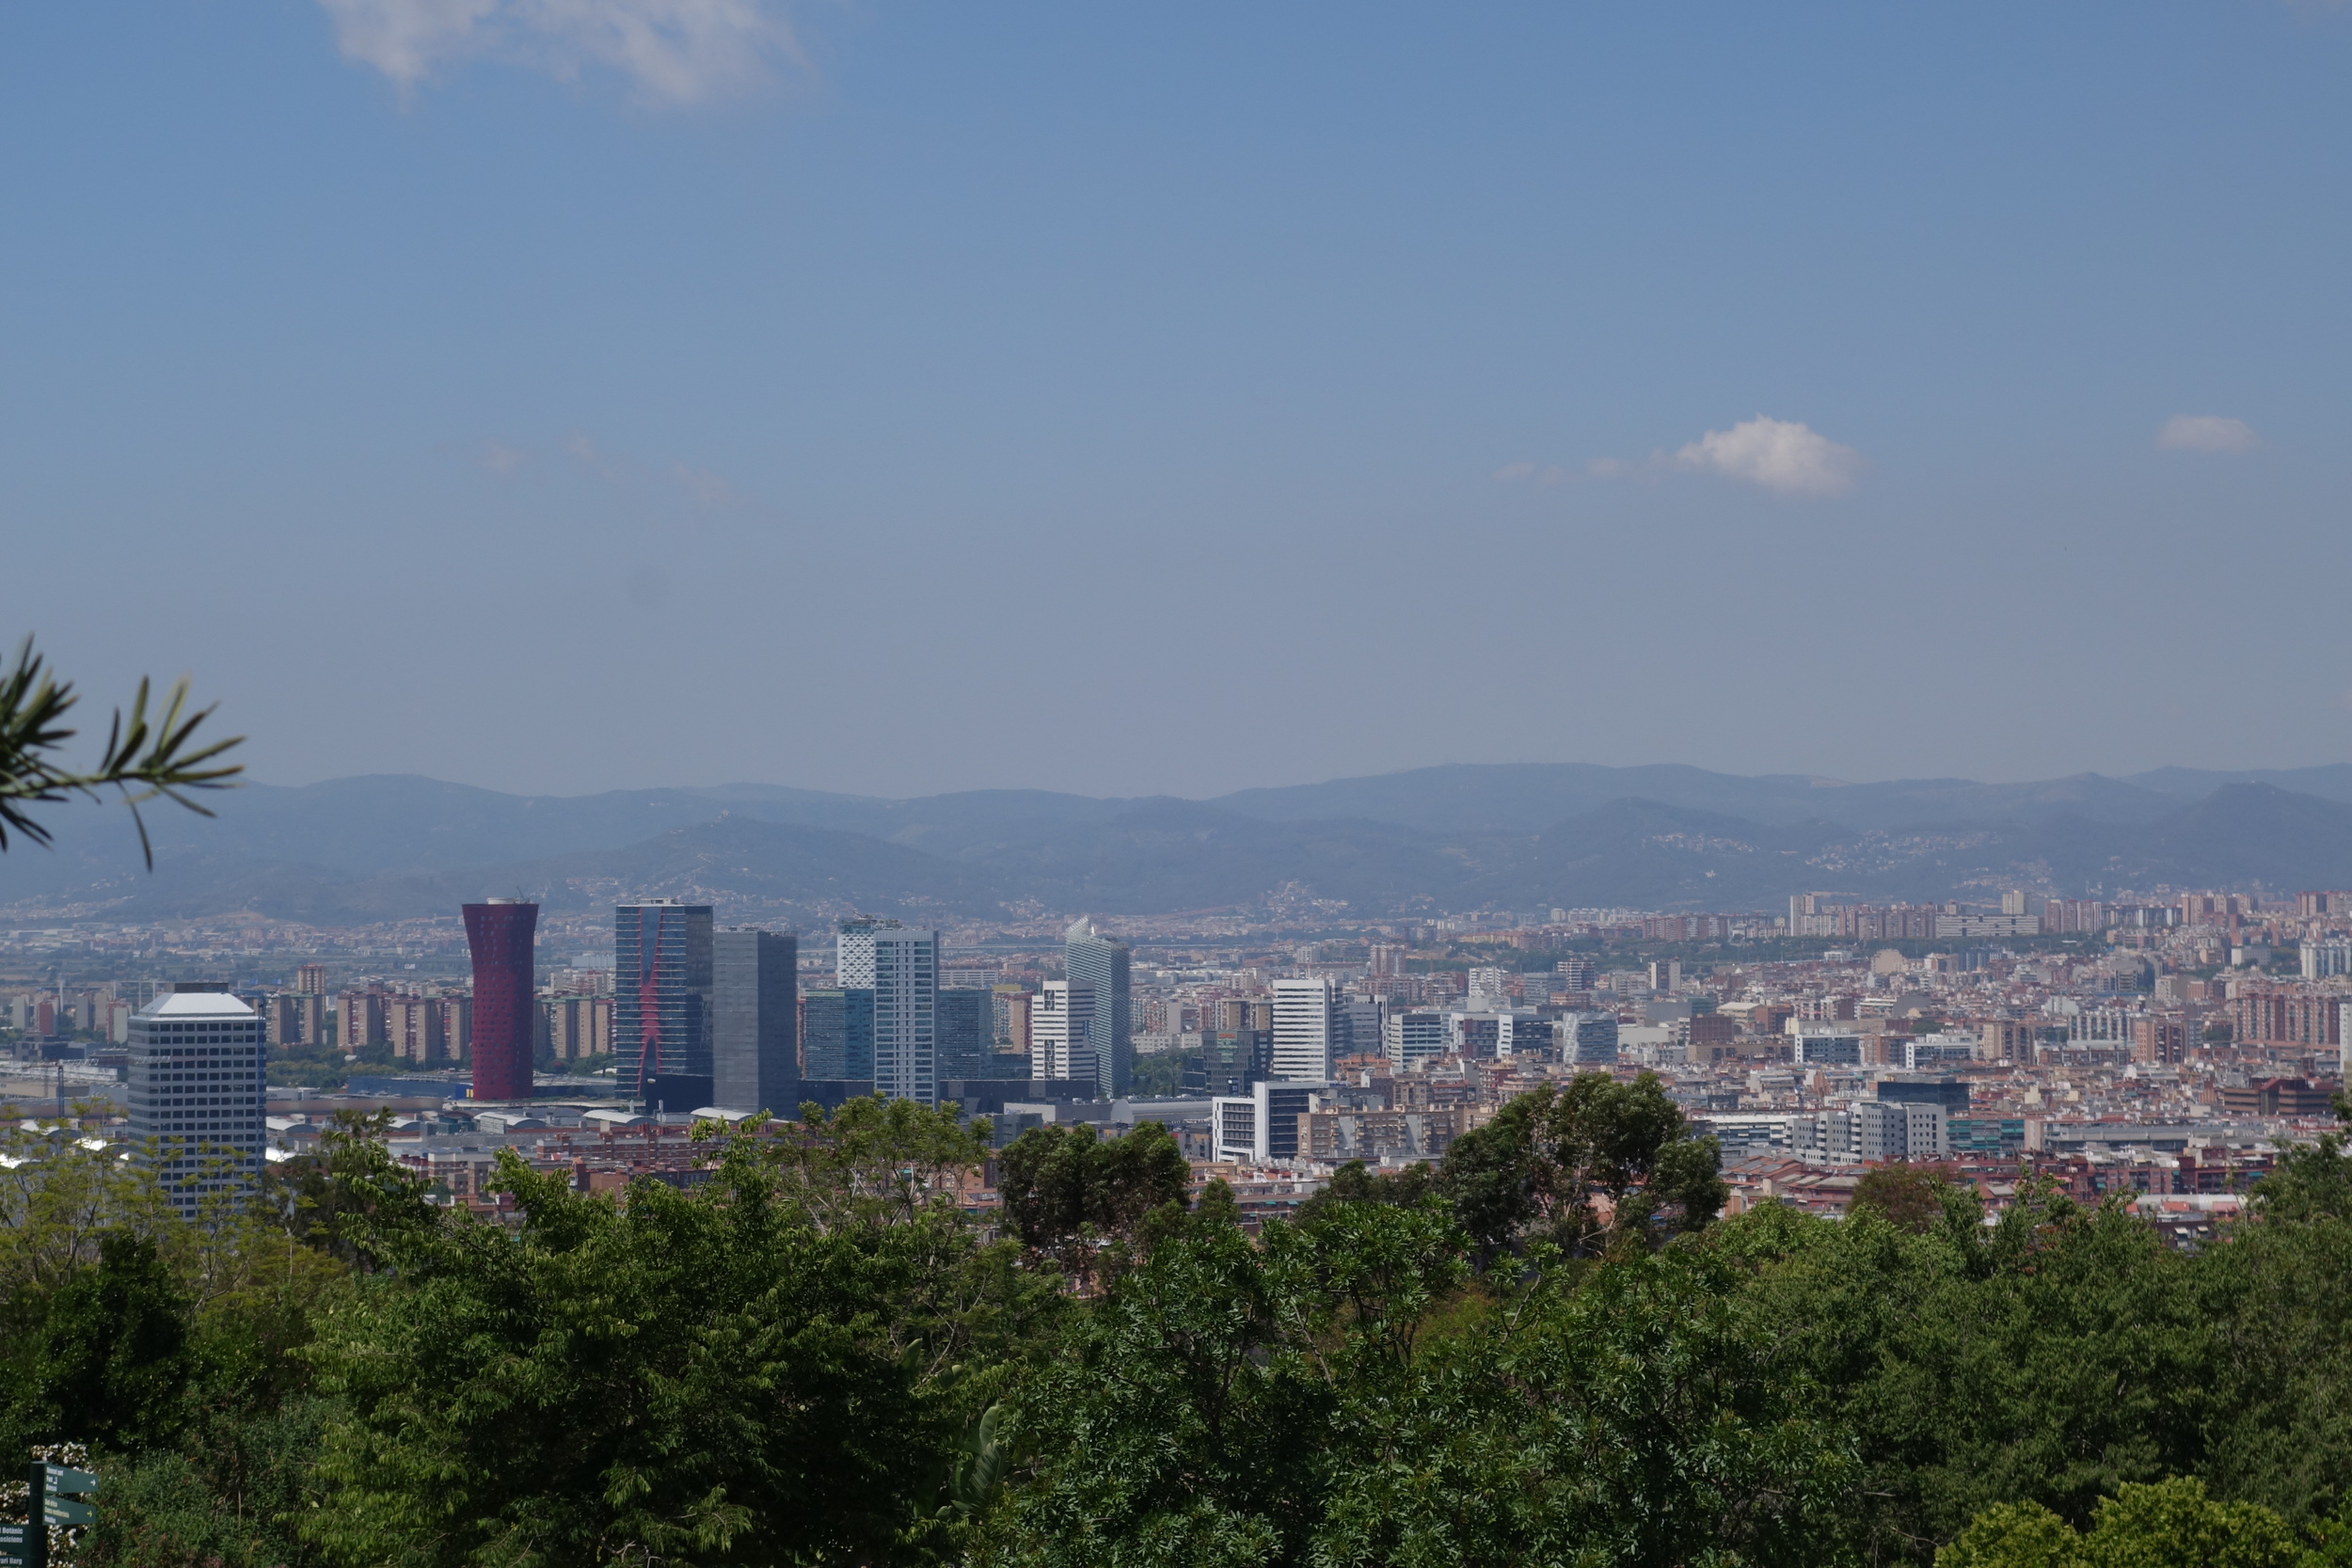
(557, 395)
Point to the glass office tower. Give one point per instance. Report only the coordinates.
(1100, 964)
(899, 965)
(755, 1048)
(662, 1001)
(837, 1035)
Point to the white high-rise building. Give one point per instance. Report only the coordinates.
(1060, 1032)
(1303, 1030)
(195, 1093)
(900, 966)
(1410, 1037)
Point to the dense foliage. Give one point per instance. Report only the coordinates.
(1544, 1349)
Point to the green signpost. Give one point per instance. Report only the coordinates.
(58, 1491)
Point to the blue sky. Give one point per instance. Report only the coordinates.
(898, 398)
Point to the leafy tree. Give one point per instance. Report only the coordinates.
(143, 759)
(350, 1198)
(1183, 1428)
(1070, 1194)
(2050, 1357)
(113, 1360)
(1342, 1395)
(1623, 1416)
(2172, 1523)
(1588, 1167)
(1907, 1196)
(874, 1161)
(1163, 1072)
(1356, 1183)
(709, 1376)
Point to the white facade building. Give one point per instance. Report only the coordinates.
(1060, 1032)
(900, 966)
(1303, 1029)
(1868, 1132)
(197, 1093)
(1408, 1038)
(1262, 1125)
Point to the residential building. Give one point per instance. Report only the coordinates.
(578, 1027)
(359, 1019)
(1374, 1135)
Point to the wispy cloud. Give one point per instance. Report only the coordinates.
(704, 486)
(1530, 473)
(2206, 432)
(673, 51)
(1778, 455)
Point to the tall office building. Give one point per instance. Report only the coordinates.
(1012, 1019)
(1061, 1034)
(754, 1037)
(837, 1035)
(1229, 1060)
(197, 1093)
(500, 936)
(1410, 1037)
(662, 1002)
(1357, 1024)
(900, 966)
(1100, 964)
(1303, 1030)
(967, 1038)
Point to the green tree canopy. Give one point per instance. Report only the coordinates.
(1585, 1167)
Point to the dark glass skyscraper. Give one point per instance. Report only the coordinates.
(754, 1049)
(967, 1039)
(500, 936)
(837, 1035)
(661, 1003)
(1100, 963)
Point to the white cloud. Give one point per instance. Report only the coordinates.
(1778, 455)
(2206, 432)
(676, 52)
(704, 486)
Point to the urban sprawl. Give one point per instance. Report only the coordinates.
(2161, 1048)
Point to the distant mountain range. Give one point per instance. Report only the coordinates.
(1518, 836)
